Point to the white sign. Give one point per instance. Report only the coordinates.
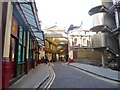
(54, 35)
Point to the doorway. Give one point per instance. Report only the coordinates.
(12, 56)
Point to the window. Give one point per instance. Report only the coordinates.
(20, 34)
(21, 50)
(19, 53)
(24, 38)
(22, 44)
(23, 55)
(84, 42)
(75, 41)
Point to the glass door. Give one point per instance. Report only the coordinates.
(31, 63)
(21, 54)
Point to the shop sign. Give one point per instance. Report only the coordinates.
(53, 35)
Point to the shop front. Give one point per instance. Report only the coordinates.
(50, 51)
(18, 43)
(22, 39)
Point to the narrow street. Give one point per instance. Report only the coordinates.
(49, 44)
(69, 77)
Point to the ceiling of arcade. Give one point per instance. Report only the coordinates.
(56, 36)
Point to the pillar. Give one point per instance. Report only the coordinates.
(27, 54)
(70, 50)
(6, 49)
(33, 54)
(103, 60)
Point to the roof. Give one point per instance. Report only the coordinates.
(30, 12)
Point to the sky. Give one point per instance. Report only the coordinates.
(64, 12)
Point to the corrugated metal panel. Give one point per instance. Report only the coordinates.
(98, 40)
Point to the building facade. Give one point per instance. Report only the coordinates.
(79, 40)
(55, 43)
(22, 40)
(106, 23)
(50, 50)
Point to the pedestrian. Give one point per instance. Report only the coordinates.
(49, 62)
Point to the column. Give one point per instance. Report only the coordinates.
(103, 60)
(33, 54)
(72, 59)
(70, 49)
(27, 54)
(6, 49)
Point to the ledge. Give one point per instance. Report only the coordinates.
(102, 28)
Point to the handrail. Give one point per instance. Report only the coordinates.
(112, 50)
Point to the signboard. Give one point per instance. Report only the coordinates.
(54, 35)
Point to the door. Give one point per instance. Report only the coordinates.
(12, 56)
(31, 63)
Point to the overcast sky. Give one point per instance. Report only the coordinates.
(64, 12)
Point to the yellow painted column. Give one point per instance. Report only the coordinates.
(8, 30)
(6, 65)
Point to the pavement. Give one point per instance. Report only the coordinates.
(100, 71)
(34, 78)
